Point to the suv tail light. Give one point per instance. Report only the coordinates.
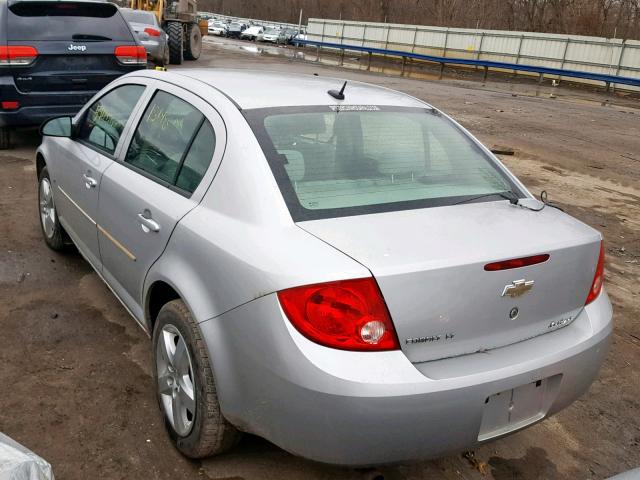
(152, 32)
(347, 314)
(598, 278)
(131, 54)
(17, 55)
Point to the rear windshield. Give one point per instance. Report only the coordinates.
(138, 16)
(66, 21)
(369, 159)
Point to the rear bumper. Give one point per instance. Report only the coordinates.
(352, 408)
(37, 107)
(35, 116)
(154, 49)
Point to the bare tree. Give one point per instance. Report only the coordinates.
(583, 17)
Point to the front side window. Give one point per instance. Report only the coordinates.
(104, 121)
(368, 159)
(173, 143)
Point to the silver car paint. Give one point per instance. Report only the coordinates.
(75, 178)
(353, 408)
(434, 278)
(77, 170)
(126, 194)
(228, 255)
(155, 46)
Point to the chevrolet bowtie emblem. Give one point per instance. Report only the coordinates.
(517, 288)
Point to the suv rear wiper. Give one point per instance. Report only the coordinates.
(90, 38)
(508, 195)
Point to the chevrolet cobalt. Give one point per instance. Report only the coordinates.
(339, 268)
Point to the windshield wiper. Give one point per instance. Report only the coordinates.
(513, 200)
(89, 38)
(508, 195)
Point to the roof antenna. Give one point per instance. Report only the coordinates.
(338, 95)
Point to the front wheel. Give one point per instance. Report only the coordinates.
(185, 386)
(52, 231)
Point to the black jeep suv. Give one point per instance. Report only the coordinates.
(55, 55)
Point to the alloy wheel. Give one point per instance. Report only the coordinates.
(176, 383)
(47, 208)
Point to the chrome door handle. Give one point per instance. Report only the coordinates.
(148, 224)
(90, 182)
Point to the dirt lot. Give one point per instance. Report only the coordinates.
(76, 368)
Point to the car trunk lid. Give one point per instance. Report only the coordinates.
(429, 264)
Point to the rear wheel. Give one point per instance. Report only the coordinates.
(185, 386)
(193, 48)
(176, 43)
(166, 56)
(5, 138)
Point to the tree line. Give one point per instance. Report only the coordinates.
(602, 18)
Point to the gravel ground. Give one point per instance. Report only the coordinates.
(76, 368)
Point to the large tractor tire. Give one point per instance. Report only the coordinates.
(194, 42)
(176, 42)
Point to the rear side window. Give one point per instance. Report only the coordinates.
(66, 21)
(173, 143)
(139, 16)
(367, 159)
(105, 119)
(198, 159)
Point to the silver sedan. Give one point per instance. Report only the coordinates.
(150, 34)
(337, 267)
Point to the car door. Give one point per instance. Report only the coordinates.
(163, 173)
(80, 163)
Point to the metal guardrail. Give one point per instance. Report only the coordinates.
(486, 64)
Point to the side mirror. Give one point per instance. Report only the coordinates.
(57, 127)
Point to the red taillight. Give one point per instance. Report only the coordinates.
(516, 263)
(152, 32)
(347, 314)
(17, 55)
(9, 105)
(598, 278)
(131, 55)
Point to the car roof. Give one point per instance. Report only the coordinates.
(251, 89)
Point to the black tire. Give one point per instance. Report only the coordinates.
(176, 42)
(166, 57)
(55, 239)
(5, 138)
(211, 434)
(193, 48)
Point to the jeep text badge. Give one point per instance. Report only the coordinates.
(517, 288)
(77, 48)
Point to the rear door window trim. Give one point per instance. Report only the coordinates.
(120, 158)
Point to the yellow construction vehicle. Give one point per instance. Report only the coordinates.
(180, 20)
